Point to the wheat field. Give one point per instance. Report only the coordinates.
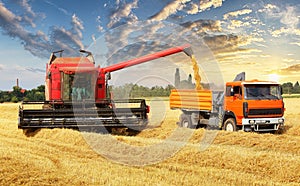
(69, 157)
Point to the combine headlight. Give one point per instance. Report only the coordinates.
(251, 122)
(280, 120)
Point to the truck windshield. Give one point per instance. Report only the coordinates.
(262, 92)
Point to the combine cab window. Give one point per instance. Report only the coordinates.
(262, 92)
(78, 86)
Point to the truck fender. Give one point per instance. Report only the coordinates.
(228, 114)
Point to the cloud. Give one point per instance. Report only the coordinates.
(288, 60)
(38, 43)
(153, 36)
(8, 20)
(59, 38)
(237, 24)
(99, 27)
(169, 9)
(35, 70)
(11, 26)
(141, 38)
(193, 9)
(283, 30)
(269, 9)
(226, 46)
(296, 43)
(288, 16)
(206, 4)
(202, 26)
(224, 42)
(150, 36)
(186, 6)
(29, 15)
(236, 13)
(70, 40)
(265, 56)
(77, 26)
(64, 11)
(26, 6)
(123, 12)
(293, 69)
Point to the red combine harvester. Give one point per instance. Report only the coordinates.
(77, 95)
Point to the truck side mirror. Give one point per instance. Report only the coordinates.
(280, 89)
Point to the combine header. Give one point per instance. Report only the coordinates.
(77, 95)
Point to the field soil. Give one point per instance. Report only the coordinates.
(163, 154)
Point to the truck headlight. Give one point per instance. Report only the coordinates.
(280, 120)
(251, 122)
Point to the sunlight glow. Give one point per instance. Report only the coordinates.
(274, 77)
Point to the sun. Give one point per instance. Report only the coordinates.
(274, 77)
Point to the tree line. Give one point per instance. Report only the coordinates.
(134, 91)
(118, 92)
(19, 94)
(290, 88)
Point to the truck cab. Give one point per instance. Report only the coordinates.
(253, 106)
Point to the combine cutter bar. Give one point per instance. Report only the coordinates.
(83, 117)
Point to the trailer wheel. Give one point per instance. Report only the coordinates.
(229, 125)
(185, 121)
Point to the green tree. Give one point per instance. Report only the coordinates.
(287, 88)
(17, 92)
(36, 94)
(14, 99)
(39, 96)
(296, 88)
(41, 88)
(6, 98)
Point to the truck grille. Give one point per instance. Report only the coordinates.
(273, 111)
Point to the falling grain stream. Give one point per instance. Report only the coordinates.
(196, 73)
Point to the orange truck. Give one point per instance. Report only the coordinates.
(244, 105)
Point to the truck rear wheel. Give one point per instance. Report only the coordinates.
(185, 121)
(229, 125)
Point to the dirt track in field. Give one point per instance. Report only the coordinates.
(62, 156)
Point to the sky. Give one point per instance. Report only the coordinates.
(260, 37)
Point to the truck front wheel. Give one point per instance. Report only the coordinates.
(229, 125)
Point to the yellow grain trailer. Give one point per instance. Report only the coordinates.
(196, 105)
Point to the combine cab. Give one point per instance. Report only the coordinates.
(77, 96)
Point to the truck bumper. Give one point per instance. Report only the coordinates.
(262, 124)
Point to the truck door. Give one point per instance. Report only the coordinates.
(234, 102)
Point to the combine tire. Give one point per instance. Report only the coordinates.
(229, 125)
(185, 121)
(30, 132)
